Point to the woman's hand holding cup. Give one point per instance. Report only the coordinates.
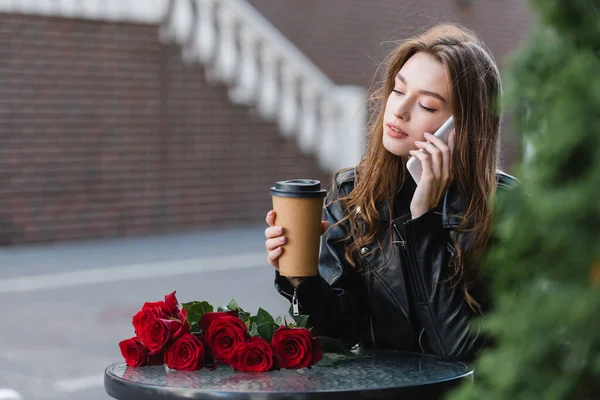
(276, 239)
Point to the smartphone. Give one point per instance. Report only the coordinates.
(414, 165)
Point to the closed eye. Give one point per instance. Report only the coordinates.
(431, 110)
(397, 92)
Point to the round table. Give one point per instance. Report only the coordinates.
(374, 374)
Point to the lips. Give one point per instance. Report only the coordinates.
(394, 131)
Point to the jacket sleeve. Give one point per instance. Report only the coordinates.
(440, 305)
(334, 300)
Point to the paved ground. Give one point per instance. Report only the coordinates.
(66, 306)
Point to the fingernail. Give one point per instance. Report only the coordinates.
(278, 230)
(427, 134)
(282, 239)
(270, 213)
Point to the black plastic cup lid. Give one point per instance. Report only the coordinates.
(299, 188)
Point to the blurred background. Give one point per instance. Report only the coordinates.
(138, 143)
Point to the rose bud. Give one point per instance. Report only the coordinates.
(187, 353)
(295, 347)
(255, 355)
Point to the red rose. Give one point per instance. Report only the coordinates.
(136, 355)
(223, 335)
(187, 353)
(172, 303)
(185, 325)
(295, 348)
(160, 309)
(255, 355)
(209, 317)
(163, 309)
(157, 332)
(141, 319)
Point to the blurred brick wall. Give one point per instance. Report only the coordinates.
(104, 132)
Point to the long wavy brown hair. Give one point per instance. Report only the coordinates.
(475, 89)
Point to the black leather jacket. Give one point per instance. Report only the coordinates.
(396, 297)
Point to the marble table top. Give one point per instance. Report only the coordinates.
(374, 373)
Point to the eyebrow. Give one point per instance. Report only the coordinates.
(425, 92)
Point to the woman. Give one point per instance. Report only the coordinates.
(398, 265)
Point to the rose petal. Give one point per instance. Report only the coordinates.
(255, 355)
(208, 318)
(172, 303)
(187, 353)
(133, 351)
(294, 347)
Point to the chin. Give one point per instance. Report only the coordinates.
(396, 149)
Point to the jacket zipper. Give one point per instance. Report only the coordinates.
(370, 316)
(283, 292)
(406, 257)
(295, 305)
(401, 242)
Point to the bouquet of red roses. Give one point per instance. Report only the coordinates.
(195, 336)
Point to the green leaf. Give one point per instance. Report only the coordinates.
(301, 321)
(223, 308)
(253, 331)
(325, 362)
(233, 305)
(258, 319)
(244, 315)
(265, 315)
(196, 309)
(194, 328)
(265, 325)
(279, 321)
(266, 330)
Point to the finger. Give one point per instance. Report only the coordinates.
(274, 243)
(446, 154)
(324, 226)
(451, 140)
(425, 160)
(271, 218)
(273, 232)
(436, 157)
(273, 256)
(448, 158)
(438, 142)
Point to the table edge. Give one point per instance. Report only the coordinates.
(113, 383)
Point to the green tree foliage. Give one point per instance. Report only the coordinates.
(546, 317)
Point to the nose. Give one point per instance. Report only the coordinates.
(402, 110)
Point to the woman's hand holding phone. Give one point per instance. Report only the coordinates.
(276, 239)
(436, 175)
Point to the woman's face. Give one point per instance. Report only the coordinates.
(419, 103)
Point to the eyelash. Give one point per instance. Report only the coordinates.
(431, 110)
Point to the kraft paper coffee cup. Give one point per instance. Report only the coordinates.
(298, 206)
